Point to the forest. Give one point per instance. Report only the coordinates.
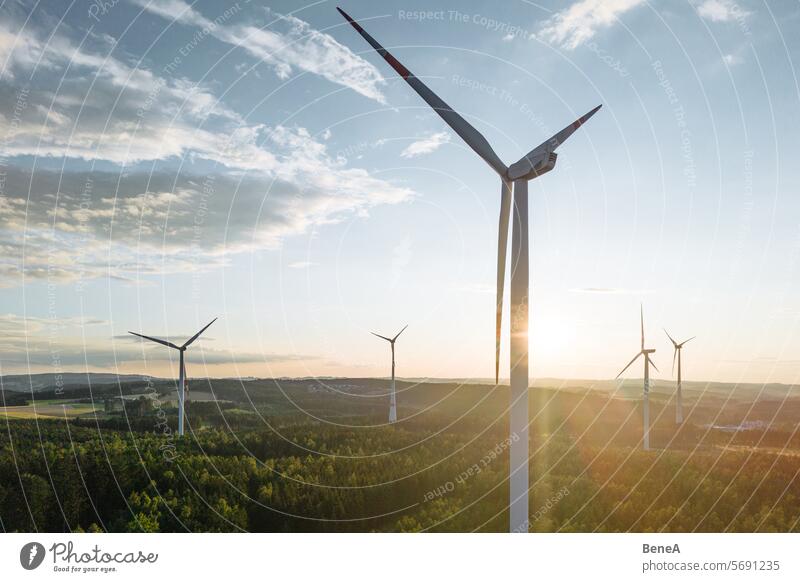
(282, 466)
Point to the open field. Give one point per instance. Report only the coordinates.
(51, 409)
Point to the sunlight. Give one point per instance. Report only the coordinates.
(552, 337)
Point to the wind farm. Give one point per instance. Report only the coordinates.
(289, 172)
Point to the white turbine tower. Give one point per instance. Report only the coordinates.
(646, 388)
(182, 372)
(679, 396)
(538, 161)
(393, 396)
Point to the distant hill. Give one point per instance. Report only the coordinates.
(629, 388)
(622, 388)
(24, 382)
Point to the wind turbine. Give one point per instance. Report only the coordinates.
(677, 353)
(393, 397)
(182, 373)
(646, 388)
(538, 161)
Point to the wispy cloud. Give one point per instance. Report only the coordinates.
(610, 291)
(295, 45)
(722, 11)
(480, 288)
(29, 341)
(137, 225)
(575, 25)
(426, 145)
(732, 60)
(301, 265)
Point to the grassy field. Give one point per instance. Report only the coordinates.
(47, 410)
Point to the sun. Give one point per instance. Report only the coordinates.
(551, 337)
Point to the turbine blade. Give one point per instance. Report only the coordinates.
(381, 336)
(683, 343)
(652, 363)
(465, 131)
(502, 250)
(528, 162)
(398, 333)
(197, 335)
(670, 337)
(636, 357)
(155, 339)
(641, 320)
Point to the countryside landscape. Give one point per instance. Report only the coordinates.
(448, 267)
(317, 455)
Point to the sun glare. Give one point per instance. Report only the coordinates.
(551, 337)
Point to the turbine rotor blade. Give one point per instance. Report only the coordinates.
(465, 131)
(687, 341)
(381, 336)
(502, 250)
(527, 163)
(398, 334)
(674, 355)
(652, 363)
(641, 320)
(636, 357)
(197, 335)
(155, 339)
(670, 337)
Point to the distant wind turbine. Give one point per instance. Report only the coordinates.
(679, 397)
(393, 397)
(538, 161)
(182, 372)
(646, 388)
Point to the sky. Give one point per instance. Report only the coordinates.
(163, 163)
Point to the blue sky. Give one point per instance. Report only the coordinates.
(164, 163)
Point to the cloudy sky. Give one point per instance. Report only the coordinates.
(167, 162)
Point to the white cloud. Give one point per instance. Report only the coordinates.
(426, 145)
(301, 265)
(295, 46)
(29, 342)
(107, 110)
(575, 25)
(722, 11)
(270, 182)
(610, 291)
(480, 288)
(138, 225)
(732, 60)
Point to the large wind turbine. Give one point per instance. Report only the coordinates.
(679, 397)
(393, 396)
(182, 372)
(646, 388)
(538, 161)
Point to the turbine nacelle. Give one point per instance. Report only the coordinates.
(529, 167)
